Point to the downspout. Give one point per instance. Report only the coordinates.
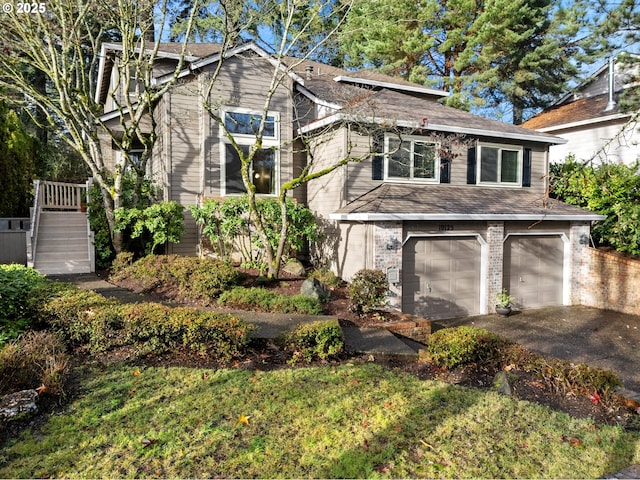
(612, 86)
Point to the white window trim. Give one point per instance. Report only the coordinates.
(411, 138)
(499, 146)
(243, 139)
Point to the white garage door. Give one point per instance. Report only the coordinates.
(441, 277)
(533, 270)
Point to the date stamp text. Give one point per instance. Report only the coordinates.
(24, 8)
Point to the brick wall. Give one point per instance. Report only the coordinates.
(611, 281)
(388, 255)
(495, 239)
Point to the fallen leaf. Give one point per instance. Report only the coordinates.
(382, 468)
(136, 372)
(243, 419)
(42, 389)
(576, 442)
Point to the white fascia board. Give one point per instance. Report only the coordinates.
(491, 133)
(338, 117)
(378, 217)
(101, 67)
(390, 85)
(582, 123)
(230, 53)
(114, 114)
(160, 54)
(304, 91)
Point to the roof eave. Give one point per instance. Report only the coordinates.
(374, 217)
(391, 85)
(582, 123)
(338, 117)
(203, 62)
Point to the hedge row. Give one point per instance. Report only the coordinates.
(88, 320)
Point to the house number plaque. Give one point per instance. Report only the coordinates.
(445, 227)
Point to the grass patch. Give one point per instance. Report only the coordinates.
(347, 421)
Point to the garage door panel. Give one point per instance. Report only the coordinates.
(441, 277)
(533, 270)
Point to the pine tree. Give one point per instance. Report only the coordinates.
(522, 52)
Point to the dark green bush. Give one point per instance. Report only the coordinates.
(84, 318)
(16, 309)
(454, 347)
(367, 291)
(34, 359)
(261, 299)
(312, 341)
(156, 329)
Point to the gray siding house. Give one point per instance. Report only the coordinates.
(452, 206)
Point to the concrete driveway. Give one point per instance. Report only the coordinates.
(600, 338)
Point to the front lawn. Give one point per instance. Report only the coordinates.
(346, 421)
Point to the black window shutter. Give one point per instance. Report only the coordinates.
(526, 168)
(471, 165)
(377, 162)
(445, 165)
(377, 168)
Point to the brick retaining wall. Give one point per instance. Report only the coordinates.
(612, 281)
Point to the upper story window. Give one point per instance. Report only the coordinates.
(243, 125)
(248, 123)
(500, 164)
(411, 158)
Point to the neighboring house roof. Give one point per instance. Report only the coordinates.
(392, 201)
(583, 111)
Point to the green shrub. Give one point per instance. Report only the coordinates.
(34, 359)
(326, 277)
(196, 278)
(317, 340)
(158, 224)
(230, 229)
(16, 309)
(454, 347)
(367, 291)
(156, 329)
(261, 299)
(203, 278)
(122, 261)
(84, 318)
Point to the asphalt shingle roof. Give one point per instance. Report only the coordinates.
(424, 202)
(590, 108)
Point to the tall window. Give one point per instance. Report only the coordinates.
(500, 164)
(244, 126)
(411, 159)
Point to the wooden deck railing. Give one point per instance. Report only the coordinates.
(61, 196)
